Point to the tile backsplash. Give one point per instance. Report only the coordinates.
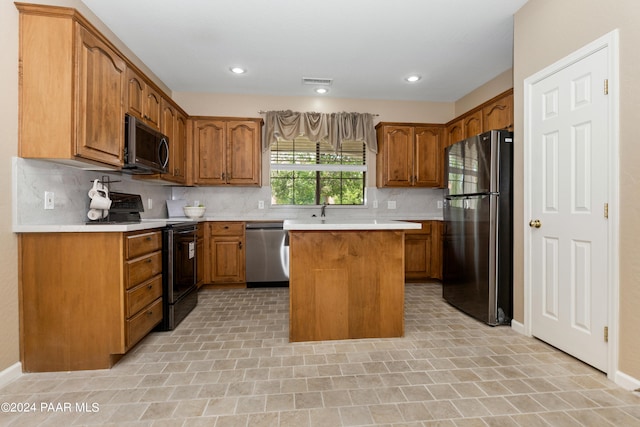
(31, 178)
(244, 202)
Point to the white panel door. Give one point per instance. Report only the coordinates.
(569, 170)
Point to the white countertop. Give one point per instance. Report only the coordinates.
(97, 227)
(348, 224)
(289, 224)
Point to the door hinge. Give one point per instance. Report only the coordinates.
(606, 86)
(606, 334)
(606, 210)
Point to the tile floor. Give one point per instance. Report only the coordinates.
(230, 364)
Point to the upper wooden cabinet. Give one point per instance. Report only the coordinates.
(498, 114)
(174, 126)
(472, 124)
(99, 122)
(227, 151)
(71, 83)
(408, 155)
(77, 116)
(143, 101)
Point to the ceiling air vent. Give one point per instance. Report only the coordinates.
(316, 81)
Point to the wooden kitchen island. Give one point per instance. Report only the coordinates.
(346, 278)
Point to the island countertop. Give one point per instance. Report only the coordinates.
(348, 224)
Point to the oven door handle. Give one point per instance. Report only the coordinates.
(186, 232)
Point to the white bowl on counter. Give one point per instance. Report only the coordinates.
(194, 211)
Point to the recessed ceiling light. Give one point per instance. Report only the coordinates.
(322, 90)
(238, 70)
(413, 78)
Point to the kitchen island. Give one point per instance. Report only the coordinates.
(346, 278)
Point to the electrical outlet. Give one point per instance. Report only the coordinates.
(375, 204)
(391, 204)
(260, 204)
(49, 202)
(440, 204)
(149, 203)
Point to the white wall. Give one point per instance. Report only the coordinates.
(546, 31)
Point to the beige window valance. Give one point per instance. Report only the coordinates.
(318, 127)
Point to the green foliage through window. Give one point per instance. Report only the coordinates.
(306, 173)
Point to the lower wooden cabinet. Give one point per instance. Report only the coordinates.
(423, 252)
(87, 298)
(226, 254)
(200, 255)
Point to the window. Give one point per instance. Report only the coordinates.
(306, 173)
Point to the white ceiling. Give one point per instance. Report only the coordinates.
(367, 47)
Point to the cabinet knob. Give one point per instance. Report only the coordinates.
(148, 261)
(150, 287)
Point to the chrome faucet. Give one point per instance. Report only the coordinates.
(322, 210)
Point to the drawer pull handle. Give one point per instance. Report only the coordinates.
(149, 313)
(149, 260)
(150, 287)
(148, 239)
(226, 227)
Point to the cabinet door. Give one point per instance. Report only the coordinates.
(209, 159)
(174, 127)
(227, 260)
(417, 256)
(427, 158)
(169, 125)
(200, 262)
(243, 153)
(498, 114)
(179, 150)
(436, 250)
(454, 133)
(152, 107)
(417, 249)
(135, 94)
(395, 166)
(472, 124)
(100, 111)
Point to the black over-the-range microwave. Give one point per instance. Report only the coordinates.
(146, 150)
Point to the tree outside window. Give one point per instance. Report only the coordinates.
(306, 173)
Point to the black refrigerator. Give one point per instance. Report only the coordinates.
(477, 275)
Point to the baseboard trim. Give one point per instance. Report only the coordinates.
(517, 326)
(626, 381)
(10, 374)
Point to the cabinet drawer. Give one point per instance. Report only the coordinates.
(141, 269)
(227, 228)
(140, 324)
(143, 295)
(143, 243)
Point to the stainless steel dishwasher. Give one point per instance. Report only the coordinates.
(267, 255)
